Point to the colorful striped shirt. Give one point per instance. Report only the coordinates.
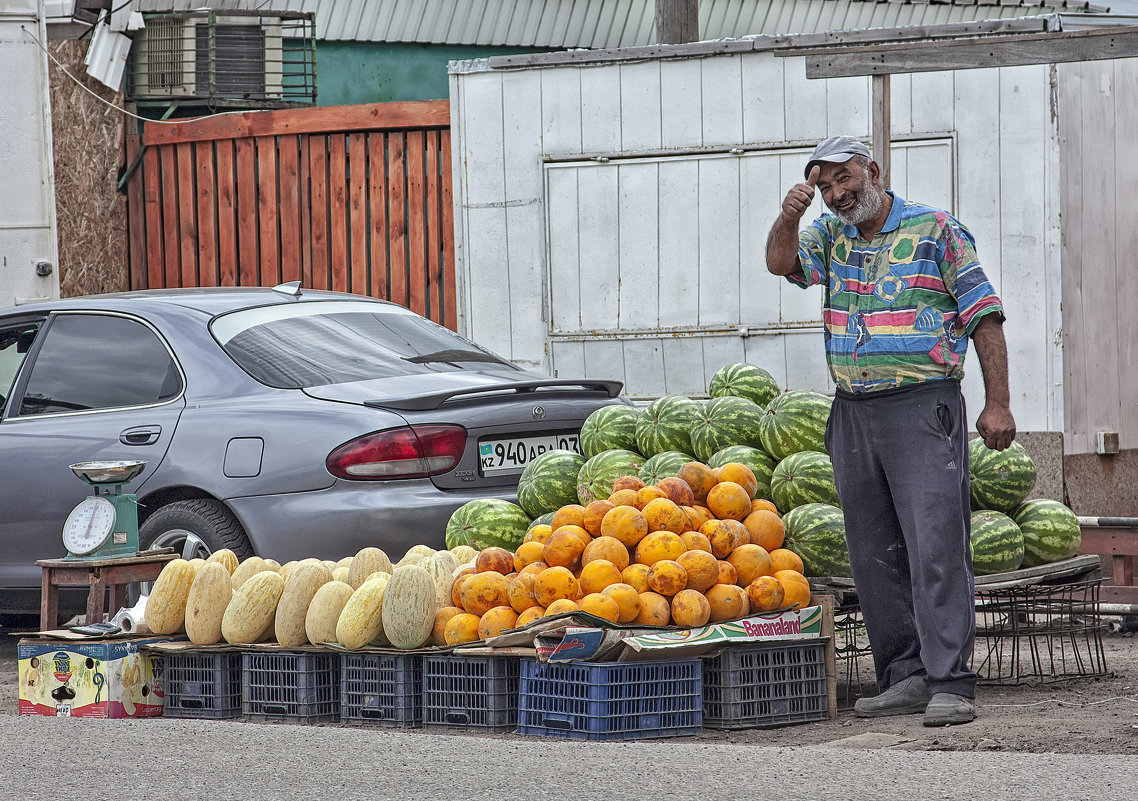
(898, 309)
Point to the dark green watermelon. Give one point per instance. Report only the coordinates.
(549, 482)
(746, 381)
(996, 542)
(723, 422)
(802, 478)
(795, 421)
(663, 465)
(999, 480)
(761, 464)
(609, 428)
(597, 475)
(666, 425)
(817, 533)
(485, 523)
(1050, 531)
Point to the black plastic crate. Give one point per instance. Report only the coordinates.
(765, 685)
(471, 692)
(202, 684)
(611, 700)
(286, 687)
(381, 689)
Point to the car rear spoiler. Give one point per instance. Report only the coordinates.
(434, 400)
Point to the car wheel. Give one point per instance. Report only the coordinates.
(195, 529)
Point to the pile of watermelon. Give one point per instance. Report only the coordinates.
(779, 436)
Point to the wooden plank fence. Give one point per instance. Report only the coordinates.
(349, 198)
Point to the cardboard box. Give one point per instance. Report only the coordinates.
(90, 679)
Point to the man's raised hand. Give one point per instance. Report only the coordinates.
(800, 196)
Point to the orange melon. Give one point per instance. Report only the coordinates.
(498, 560)
(765, 529)
(633, 483)
(497, 620)
(627, 600)
(765, 594)
(560, 607)
(727, 573)
(728, 500)
(564, 548)
(601, 605)
(662, 514)
(597, 575)
(657, 546)
(724, 536)
(626, 523)
(667, 577)
(608, 548)
(553, 584)
(794, 592)
(740, 474)
(699, 477)
(646, 495)
(462, 628)
(676, 490)
(570, 515)
(539, 533)
(594, 513)
(528, 553)
(690, 609)
(763, 503)
(702, 569)
(728, 602)
(529, 616)
(481, 592)
(636, 576)
(624, 497)
(750, 562)
(694, 541)
(520, 593)
(655, 610)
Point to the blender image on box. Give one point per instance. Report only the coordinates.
(108, 679)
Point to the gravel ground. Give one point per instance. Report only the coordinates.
(1075, 739)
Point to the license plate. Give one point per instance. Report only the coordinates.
(511, 455)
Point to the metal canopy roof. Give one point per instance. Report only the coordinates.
(608, 24)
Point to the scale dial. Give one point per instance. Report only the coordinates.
(89, 526)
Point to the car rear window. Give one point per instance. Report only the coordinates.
(300, 345)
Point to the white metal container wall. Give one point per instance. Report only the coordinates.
(27, 204)
(522, 226)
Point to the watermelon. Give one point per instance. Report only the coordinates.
(720, 422)
(817, 533)
(996, 543)
(666, 425)
(1000, 480)
(543, 520)
(802, 478)
(597, 475)
(1050, 531)
(795, 421)
(608, 428)
(487, 523)
(746, 381)
(760, 463)
(663, 465)
(549, 482)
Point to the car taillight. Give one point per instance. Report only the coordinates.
(408, 452)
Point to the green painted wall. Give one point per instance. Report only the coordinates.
(365, 72)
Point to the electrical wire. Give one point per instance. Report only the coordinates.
(120, 109)
(1063, 703)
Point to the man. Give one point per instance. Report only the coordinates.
(904, 293)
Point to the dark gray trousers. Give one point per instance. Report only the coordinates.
(901, 465)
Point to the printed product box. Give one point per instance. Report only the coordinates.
(90, 679)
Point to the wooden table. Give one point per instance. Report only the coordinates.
(1116, 540)
(99, 575)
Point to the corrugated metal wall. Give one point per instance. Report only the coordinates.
(605, 24)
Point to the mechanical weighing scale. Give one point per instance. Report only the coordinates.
(105, 525)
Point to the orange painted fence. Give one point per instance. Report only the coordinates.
(350, 198)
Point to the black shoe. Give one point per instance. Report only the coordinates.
(907, 697)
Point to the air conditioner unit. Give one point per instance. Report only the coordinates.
(221, 59)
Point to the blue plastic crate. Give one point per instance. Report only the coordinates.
(202, 684)
(288, 687)
(611, 700)
(470, 692)
(765, 685)
(381, 689)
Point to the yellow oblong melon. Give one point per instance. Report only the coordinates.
(361, 621)
(324, 611)
(250, 567)
(409, 607)
(251, 610)
(166, 606)
(226, 557)
(299, 589)
(366, 562)
(209, 596)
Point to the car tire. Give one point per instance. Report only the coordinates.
(195, 529)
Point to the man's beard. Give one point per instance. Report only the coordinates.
(867, 206)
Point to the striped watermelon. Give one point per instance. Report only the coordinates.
(745, 380)
(598, 473)
(1050, 531)
(817, 533)
(802, 478)
(795, 421)
(760, 463)
(720, 422)
(663, 465)
(666, 425)
(549, 482)
(543, 520)
(1000, 480)
(996, 542)
(608, 428)
(487, 523)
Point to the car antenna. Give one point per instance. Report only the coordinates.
(292, 288)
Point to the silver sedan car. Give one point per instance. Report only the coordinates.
(282, 422)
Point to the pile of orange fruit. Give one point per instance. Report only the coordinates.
(690, 550)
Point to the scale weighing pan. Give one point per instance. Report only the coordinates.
(115, 472)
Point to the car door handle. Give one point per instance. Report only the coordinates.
(140, 435)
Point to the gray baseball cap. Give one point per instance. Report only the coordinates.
(836, 149)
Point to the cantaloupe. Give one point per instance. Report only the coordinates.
(166, 606)
(361, 621)
(250, 567)
(409, 607)
(226, 558)
(205, 606)
(440, 567)
(324, 611)
(251, 610)
(366, 562)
